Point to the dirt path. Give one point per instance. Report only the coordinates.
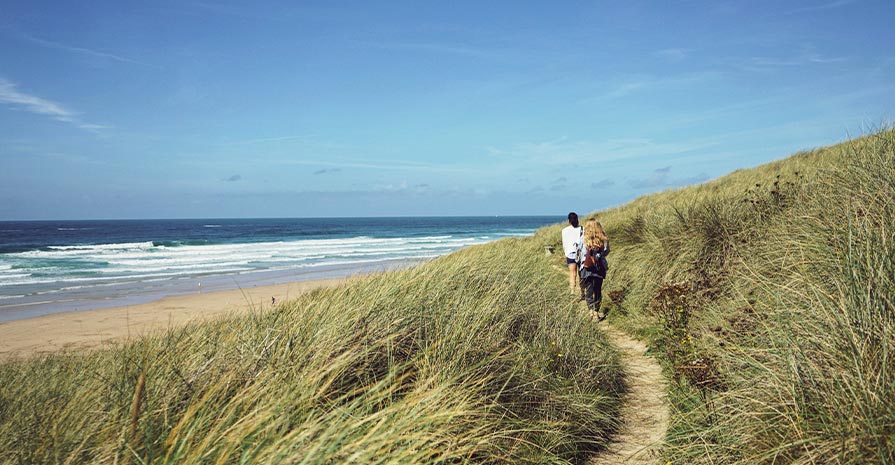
(645, 410)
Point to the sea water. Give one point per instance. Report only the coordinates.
(55, 266)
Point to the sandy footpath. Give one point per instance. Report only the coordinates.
(93, 328)
(645, 409)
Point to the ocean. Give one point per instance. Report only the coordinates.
(57, 266)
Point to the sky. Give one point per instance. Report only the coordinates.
(220, 109)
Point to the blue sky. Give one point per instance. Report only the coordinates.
(178, 109)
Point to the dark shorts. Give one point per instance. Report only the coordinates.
(570, 261)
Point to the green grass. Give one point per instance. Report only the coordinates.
(478, 357)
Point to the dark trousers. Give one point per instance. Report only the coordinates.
(593, 292)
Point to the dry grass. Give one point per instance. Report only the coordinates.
(478, 357)
(769, 295)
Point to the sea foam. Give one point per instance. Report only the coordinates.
(136, 261)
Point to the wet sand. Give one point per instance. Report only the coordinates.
(95, 328)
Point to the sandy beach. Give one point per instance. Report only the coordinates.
(95, 328)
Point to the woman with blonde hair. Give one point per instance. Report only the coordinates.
(593, 266)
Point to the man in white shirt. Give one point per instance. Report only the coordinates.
(571, 241)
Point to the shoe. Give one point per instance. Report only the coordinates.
(601, 316)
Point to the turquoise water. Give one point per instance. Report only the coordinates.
(47, 267)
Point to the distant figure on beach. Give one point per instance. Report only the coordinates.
(571, 242)
(594, 265)
(273, 301)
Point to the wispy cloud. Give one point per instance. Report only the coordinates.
(626, 88)
(262, 140)
(39, 150)
(335, 162)
(562, 152)
(402, 187)
(287, 12)
(637, 83)
(73, 159)
(379, 164)
(603, 183)
(671, 54)
(559, 184)
(824, 6)
(327, 171)
(444, 48)
(79, 50)
(236, 10)
(661, 177)
(806, 55)
(814, 58)
(234, 178)
(11, 95)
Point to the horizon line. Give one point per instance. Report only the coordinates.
(563, 215)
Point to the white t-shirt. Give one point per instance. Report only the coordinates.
(571, 236)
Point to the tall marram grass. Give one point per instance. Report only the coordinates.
(477, 357)
(769, 295)
(825, 360)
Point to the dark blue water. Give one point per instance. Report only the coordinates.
(21, 236)
(63, 265)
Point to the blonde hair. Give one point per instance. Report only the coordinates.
(594, 236)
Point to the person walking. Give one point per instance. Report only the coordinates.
(594, 266)
(571, 243)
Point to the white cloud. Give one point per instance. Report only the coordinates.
(10, 95)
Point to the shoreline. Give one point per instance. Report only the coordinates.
(91, 329)
(125, 294)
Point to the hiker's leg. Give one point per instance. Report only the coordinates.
(573, 277)
(589, 296)
(581, 286)
(598, 294)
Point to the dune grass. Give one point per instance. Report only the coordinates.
(477, 357)
(769, 295)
